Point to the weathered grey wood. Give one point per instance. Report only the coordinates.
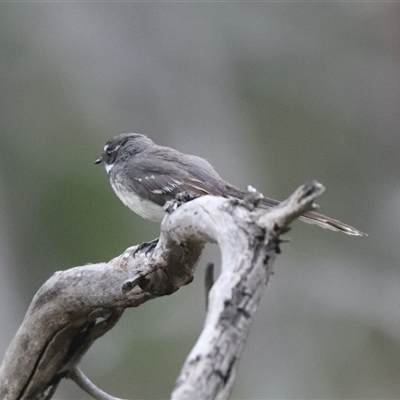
(75, 307)
(248, 243)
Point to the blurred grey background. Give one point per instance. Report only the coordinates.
(273, 94)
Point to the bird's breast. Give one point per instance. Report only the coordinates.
(143, 207)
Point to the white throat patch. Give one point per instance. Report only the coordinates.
(109, 167)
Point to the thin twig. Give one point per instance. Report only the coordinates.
(88, 386)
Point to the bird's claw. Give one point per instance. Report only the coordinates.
(149, 246)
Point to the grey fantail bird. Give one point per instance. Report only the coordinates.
(145, 176)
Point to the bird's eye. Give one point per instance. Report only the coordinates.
(112, 150)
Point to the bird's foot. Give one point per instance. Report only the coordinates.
(149, 246)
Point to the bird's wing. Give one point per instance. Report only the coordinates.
(162, 182)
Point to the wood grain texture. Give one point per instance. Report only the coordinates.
(77, 306)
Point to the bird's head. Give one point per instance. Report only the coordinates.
(122, 147)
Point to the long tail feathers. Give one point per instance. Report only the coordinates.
(321, 220)
(330, 223)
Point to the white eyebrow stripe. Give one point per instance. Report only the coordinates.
(107, 148)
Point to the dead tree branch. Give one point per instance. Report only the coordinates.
(77, 306)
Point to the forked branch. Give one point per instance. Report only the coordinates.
(77, 306)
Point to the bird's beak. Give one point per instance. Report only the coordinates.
(99, 161)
